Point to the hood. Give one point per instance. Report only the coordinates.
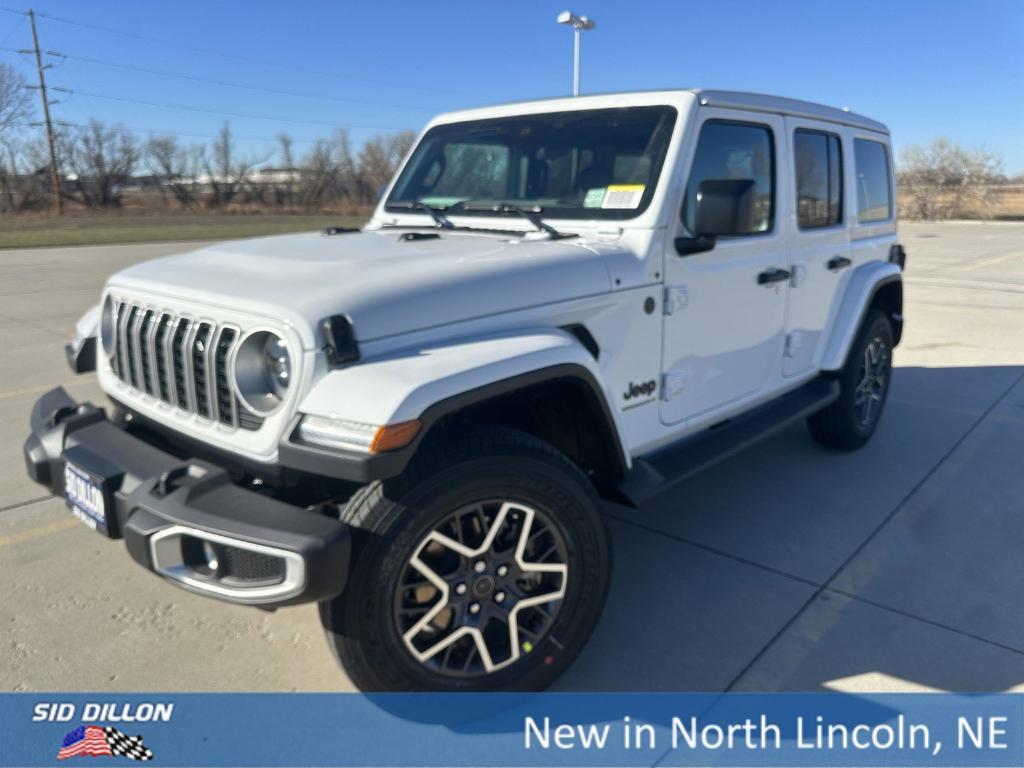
(386, 285)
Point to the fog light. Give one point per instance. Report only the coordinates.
(211, 557)
(356, 436)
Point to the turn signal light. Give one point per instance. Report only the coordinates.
(395, 436)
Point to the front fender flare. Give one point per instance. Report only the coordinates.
(865, 283)
(431, 383)
(82, 349)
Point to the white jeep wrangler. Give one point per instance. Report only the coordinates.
(414, 424)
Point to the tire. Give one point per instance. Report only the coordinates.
(850, 421)
(460, 487)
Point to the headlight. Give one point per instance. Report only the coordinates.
(278, 364)
(263, 371)
(108, 326)
(345, 435)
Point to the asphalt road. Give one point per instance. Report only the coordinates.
(785, 568)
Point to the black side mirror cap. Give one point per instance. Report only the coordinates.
(689, 245)
(725, 207)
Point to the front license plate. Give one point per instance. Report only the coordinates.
(84, 495)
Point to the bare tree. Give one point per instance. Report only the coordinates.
(229, 174)
(14, 98)
(287, 194)
(176, 166)
(379, 160)
(21, 189)
(946, 180)
(218, 164)
(102, 158)
(330, 172)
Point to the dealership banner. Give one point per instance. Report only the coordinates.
(511, 730)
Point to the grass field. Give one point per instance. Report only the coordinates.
(86, 228)
(71, 229)
(1012, 204)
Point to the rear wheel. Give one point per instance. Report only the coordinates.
(484, 567)
(850, 421)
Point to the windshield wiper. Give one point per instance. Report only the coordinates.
(437, 214)
(532, 214)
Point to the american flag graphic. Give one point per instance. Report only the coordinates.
(97, 741)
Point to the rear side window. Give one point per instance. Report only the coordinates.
(727, 150)
(874, 195)
(818, 164)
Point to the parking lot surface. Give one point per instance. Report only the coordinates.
(787, 567)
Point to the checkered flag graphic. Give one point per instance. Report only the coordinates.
(127, 746)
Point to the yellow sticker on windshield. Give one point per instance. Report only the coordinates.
(623, 196)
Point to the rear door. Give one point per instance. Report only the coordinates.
(873, 223)
(723, 328)
(820, 257)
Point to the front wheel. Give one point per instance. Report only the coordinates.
(484, 567)
(864, 381)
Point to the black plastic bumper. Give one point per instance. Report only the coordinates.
(156, 501)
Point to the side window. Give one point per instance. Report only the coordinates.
(819, 179)
(874, 196)
(734, 151)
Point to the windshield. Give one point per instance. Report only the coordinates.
(599, 163)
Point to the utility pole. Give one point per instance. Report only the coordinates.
(54, 175)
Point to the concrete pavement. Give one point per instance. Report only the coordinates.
(784, 568)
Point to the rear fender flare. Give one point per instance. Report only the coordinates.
(861, 292)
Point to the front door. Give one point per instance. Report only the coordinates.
(725, 308)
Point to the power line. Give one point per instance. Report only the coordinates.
(239, 136)
(223, 113)
(189, 134)
(231, 84)
(239, 57)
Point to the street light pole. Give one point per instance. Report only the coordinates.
(576, 61)
(578, 24)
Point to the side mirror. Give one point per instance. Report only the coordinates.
(724, 207)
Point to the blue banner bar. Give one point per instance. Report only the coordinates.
(512, 730)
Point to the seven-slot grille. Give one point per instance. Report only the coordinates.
(180, 360)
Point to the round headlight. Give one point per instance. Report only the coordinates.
(263, 371)
(278, 363)
(108, 325)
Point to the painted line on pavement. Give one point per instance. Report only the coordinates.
(42, 530)
(39, 389)
(990, 261)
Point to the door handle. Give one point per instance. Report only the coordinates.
(773, 275)
(838, 262)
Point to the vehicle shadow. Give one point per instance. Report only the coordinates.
(792, 567)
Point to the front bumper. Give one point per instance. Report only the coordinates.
(184, 519)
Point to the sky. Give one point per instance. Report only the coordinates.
(944, 68)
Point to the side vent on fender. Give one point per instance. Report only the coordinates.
(584, 337)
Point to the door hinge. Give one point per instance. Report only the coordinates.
(672, 383)
(798, 276)
(676, 298)
(794, 341)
